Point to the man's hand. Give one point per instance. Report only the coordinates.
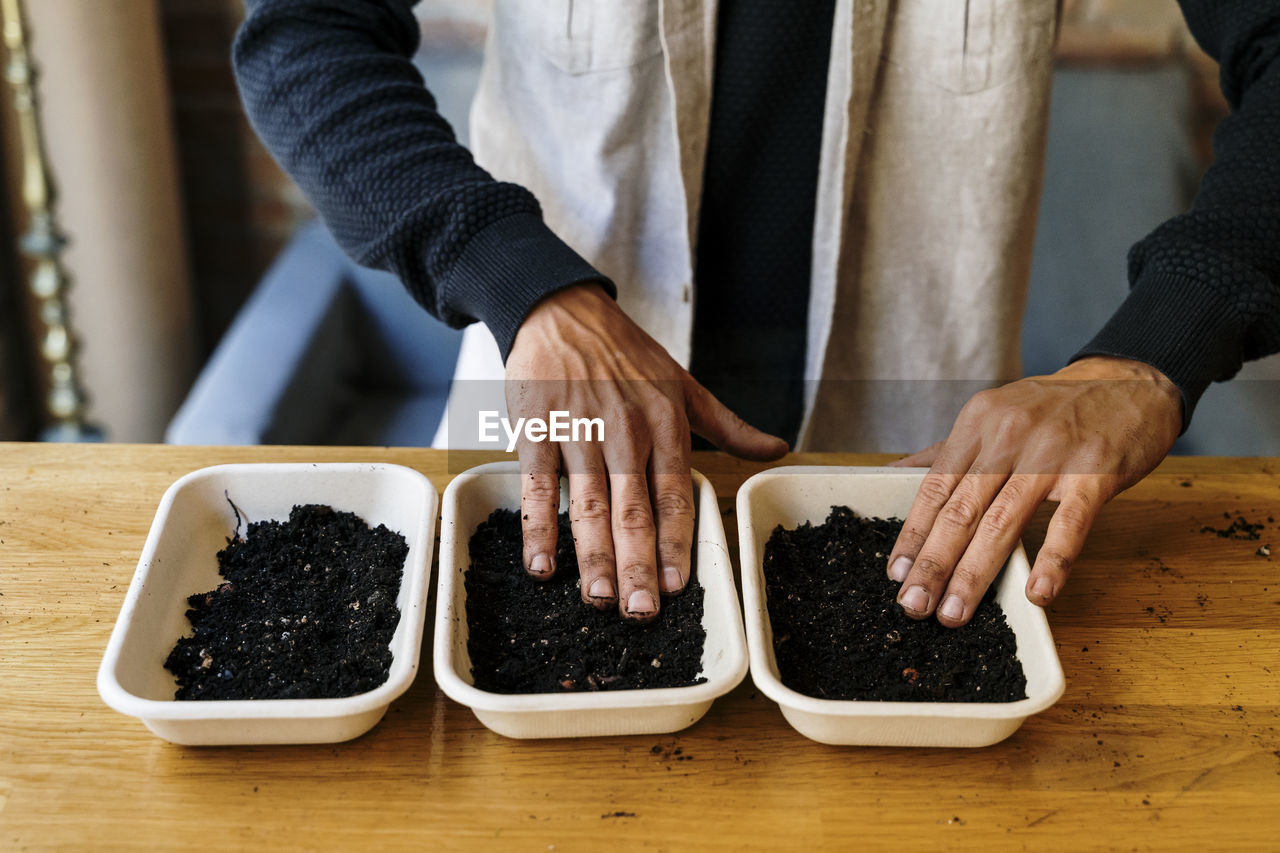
(1078, 437)
(631, 501)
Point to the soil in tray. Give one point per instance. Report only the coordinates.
(838, 632)
(529, 636)
(307, 611)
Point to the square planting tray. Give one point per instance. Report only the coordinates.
(468, 501)
(791, 496)
(179, 559)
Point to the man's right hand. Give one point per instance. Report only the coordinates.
(631, 501)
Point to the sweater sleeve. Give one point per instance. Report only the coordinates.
(330, 88)
(1205, 286)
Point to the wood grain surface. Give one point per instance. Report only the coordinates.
(1168, 736)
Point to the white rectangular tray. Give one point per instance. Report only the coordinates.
(179, 559)
(793, 495)
(469, 500)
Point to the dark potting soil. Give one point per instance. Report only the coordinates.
(838, 632)
(307, 611)
(530, 636)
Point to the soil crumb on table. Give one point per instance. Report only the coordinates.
(838, 632)
(1239, 528)
(530, 636)
(307, 611)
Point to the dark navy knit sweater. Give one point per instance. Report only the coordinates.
(329, 86)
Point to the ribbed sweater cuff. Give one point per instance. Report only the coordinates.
(1178, 326)
(507, 268)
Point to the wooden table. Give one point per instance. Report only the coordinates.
(1168, 734)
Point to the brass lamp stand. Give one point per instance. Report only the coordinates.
(43, 244)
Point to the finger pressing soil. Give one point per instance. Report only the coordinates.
(530, 636)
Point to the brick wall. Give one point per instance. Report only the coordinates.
(241, 209)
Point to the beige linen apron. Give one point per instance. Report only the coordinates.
(931, 159)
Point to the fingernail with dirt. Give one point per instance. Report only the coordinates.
(915, 599)
(601, 589)
(1042, 588)
(901, 566)
(540, 565)
(640, 603)
(672, 581)
(952, 608)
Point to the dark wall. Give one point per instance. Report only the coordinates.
(19, 409)
(241, 209)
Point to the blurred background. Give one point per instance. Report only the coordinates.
(205, 307)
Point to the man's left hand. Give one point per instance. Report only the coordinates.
(1078, 437)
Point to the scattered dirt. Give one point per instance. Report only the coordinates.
(839, 633)
(529, 636)
(671, 753)
(1239, 528)
(307, 611)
